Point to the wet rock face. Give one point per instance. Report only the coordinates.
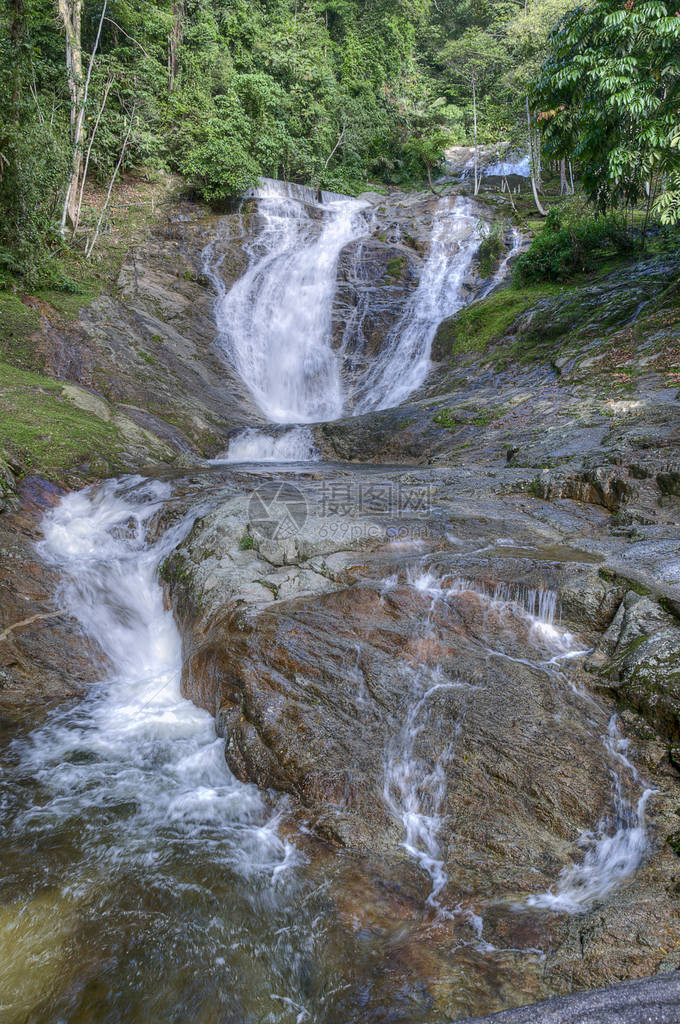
(400, 679)
(638, 657)
(375, 280)
(378, 274)
(44, 658)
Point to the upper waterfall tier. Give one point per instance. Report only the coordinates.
(337, 309)
(275, 323)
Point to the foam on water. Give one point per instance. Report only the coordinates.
(135, 740)
(296, 445)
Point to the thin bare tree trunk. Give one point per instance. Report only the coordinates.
(539, 162)
(506, 184)
(571, 178)
(474, 114)
(90, 247)
(541, 209)
(71, 15)
(83, 179)
(335, 147)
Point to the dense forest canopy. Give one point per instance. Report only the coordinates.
(338, 93)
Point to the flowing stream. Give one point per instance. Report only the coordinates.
(130, 850)
(140, 842)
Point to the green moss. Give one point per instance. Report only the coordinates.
(44, 432)
(69, 304)
(175, 568)
(17, 323)
(447, 418)
(480, 324)
(489, 253)
(246, 543)
(617, 578)
(674, 843)
(397, 266)
(536, 488)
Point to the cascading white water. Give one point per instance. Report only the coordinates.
(536, 605)
(617, 846)
(614, 850)
(502, 270)
(518, 165)
(414, 787)
(296, 445)
(141, 839)
(404, 360)
(275, 324)
(136, 737)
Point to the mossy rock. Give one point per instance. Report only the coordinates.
(44, 430)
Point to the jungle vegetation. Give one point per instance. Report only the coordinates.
(344, 94)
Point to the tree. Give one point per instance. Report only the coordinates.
(610, 97)
(474, 57)
(429, 150)
(71, 12)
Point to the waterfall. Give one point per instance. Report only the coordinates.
(274, 324)
(140, 838)
(296, 445)
(110, 749)
(404, 360)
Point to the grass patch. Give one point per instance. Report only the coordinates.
(44, 432)
(246, 543)
(447, 418)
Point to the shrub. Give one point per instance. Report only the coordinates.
(490, 250)
(572, 241)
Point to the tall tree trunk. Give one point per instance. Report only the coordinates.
(564, 187)
(17, 30)
(174, 42)
(70, 12)
(532, 164)
(538, 160)
(474, 115)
